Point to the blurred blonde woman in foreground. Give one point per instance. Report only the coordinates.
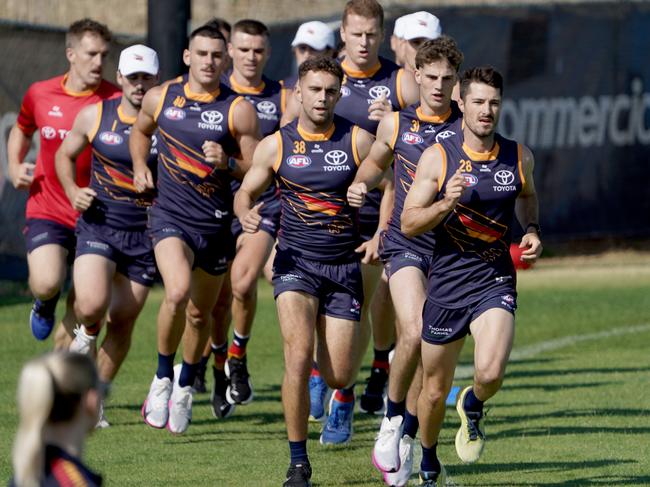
(58, 402)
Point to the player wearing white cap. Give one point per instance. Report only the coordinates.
(114, 267)
(416, 29)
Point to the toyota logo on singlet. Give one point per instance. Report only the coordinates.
(48, 132)
(212, 117)
(336, 157)
(267, 107)
(445, 134)
(379, 90)
(504, 177)
(345, 91)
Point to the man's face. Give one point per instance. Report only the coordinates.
(249, 53)
(481, 107)
(436, 80)
(409, 49)
(303, 52)
(396, 47)
(135, 85)
(318, 91)
(362, 37)
(205, 58)
(86, 57)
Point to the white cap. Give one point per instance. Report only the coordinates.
(398, 30)
(421, 25)
(138, 59)
(316, 35)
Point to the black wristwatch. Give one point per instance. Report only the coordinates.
(537, 228)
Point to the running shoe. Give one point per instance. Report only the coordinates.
(83, 343)
(240, 390)
(318, 391)
(155, 410)
(470, 438)
(221, 408)
(372, 399)
(298, 475)
(102, 422)
(180, 405)
(385, 454)
(40, 325)
(338, 428)
(434, 479)
(402, 476)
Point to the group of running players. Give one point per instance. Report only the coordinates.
(222, 175)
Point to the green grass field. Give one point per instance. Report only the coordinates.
(574, 409)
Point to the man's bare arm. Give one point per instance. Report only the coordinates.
(247, 133)
(421, 213)
(257, 179)
(140, 138)
(74, 143)
(527, 210)
(20, 172)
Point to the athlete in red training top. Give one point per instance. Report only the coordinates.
(50, 107)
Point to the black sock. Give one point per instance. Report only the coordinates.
(430, 462)
(472, 403)
(411, 425)
(165, 366)
(298, 451)
(188, 374)
(395, 408)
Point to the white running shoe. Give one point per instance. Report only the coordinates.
(402, 476)
(83, 343)
(155, 410)
(385, 454)
(180, 405)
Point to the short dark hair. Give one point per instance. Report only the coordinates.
(370, 9)
(207, 30)
(251, 27)
(443, 47)
(321, 63)
(482, 74)
(77, 29)
(219, 23)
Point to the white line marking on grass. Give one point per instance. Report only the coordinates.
(529, 351)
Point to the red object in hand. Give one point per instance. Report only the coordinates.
(515, 255)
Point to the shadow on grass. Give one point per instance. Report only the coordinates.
(554, 372)
(559, 387)
(568, 413)
(550, 467)
(567, 430)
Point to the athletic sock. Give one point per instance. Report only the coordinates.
(238, 346)
(220, 354)
(472, 403)
(298, 450)
(411, 424)
(188, 374)
(203, 364)
(314, 370)
(165, 366)
(47, 307)
(380, 359)
(430, 462)
(345, 395)
(395, 408)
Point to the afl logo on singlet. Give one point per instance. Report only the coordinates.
(470, 180)
(298, 161)
(345, 91)
(111, 138)
(379, 90)
(411, 138)
(174, 114)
